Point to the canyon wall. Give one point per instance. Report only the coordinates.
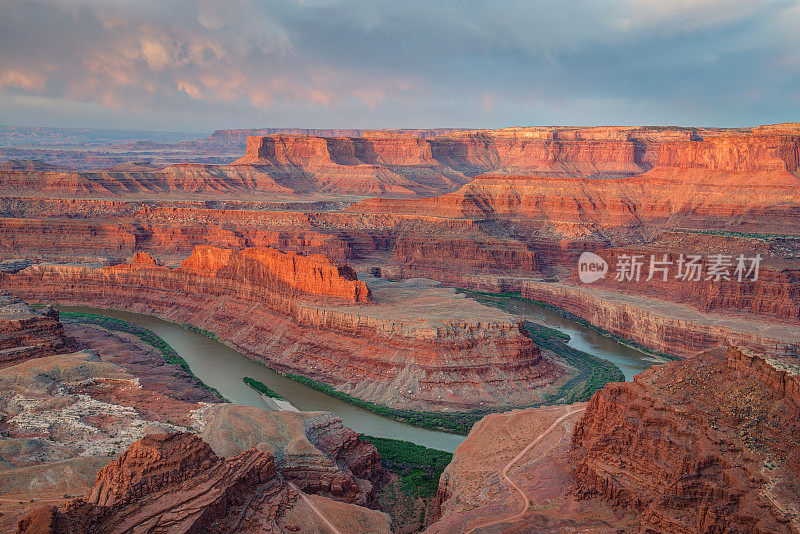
(686, 444)
(670, 328)
(773, 295)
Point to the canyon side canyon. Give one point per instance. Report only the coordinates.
(359, 263)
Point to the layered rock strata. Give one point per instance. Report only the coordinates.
(313, 450)
(175, 483)
(666, 327)
(707, 444)
(26, 333)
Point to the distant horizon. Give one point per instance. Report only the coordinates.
(212, 131)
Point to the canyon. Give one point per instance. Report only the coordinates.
(404, 345)
(345, 259)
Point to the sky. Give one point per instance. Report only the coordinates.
(201, 65)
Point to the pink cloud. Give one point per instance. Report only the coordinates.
(17, 79)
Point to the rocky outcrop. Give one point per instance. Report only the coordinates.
(694, 446)
(314, 450)
(26, 333)
(255, 274)
(704, 445)
(152, 463)
(175, 483)
(273, 270)
(168, 482)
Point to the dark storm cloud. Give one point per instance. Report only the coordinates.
(200, 64)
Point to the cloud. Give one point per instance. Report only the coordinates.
(381, 63)
(22, 80)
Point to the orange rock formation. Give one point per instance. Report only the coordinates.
(307, 316)
(703, 445)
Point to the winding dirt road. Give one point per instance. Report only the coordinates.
(504, 473)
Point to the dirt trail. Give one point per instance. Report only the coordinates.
(504, 473)
(315, 509)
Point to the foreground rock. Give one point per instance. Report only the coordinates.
(313, 450)
(704, 445)
(64, 417)
(176, 483)
(26, 333)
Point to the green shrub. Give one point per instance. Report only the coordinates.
(455, 422)
(419, 467)
(261, 388)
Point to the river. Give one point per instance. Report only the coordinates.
(223, 368)
(629, 360)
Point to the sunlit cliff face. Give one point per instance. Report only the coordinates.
(198, 63)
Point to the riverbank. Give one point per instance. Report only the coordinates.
(454, 422)
(592, 374)
(223, 367)
(574, 318)
(169, 354)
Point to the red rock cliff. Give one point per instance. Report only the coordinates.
(686, 446)
(27, 333)
(734, 153)
(313, 275)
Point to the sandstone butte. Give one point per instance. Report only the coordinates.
(708, 444)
